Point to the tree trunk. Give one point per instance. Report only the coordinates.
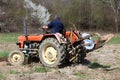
(115, 10)
(116, 23)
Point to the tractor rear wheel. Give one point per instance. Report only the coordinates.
(51, 53)
(82, 55)
(16, 58)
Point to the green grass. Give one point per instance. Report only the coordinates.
(80, 75)
(4, 54)
(9, 37)
(115, 40)
(41, 69)
(2, 77)
(12, 37)
(13, 72)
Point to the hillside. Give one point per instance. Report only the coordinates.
(85, 14)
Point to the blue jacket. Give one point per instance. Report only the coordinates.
(56, 26)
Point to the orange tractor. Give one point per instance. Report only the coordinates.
(51, 49)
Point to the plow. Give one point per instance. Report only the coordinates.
(54, 50)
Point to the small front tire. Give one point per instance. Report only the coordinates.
(16, 58)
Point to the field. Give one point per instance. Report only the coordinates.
(101, 64)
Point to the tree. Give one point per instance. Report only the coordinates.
(38, 11)
(115, 6)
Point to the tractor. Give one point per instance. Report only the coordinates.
(52, 49)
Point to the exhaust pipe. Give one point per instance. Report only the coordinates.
(25, 28)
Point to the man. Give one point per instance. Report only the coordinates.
(55, 26)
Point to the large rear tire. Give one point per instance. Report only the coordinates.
(82, 55)
(16, 58)
(51, 53)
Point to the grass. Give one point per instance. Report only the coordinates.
(2, 77)
(13, 72)
(41, 69)
(80, 75)
(104, 79)
(115, 40)
(4, 54)
(9, 37)
(12, 37)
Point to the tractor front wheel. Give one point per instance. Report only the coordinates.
(16, 58)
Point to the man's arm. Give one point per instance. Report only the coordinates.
(50, 25)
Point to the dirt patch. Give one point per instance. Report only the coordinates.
(101, 64)
(8, 46)
(3, 59)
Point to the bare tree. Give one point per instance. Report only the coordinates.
(115, 6)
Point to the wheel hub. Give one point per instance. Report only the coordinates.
(50, 55)
(16, 58)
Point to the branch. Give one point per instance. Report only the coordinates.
(106, 1)
(112, 6)
(118, 5)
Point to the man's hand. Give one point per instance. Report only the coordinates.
(45, 27)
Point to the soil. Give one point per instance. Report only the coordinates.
(3, 59)
(101, 64)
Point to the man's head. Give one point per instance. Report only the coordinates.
(57, 17)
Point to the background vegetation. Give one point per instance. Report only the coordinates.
(91, 15)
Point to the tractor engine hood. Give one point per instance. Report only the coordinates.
(31, 37)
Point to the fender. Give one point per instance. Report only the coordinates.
(58, 36)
